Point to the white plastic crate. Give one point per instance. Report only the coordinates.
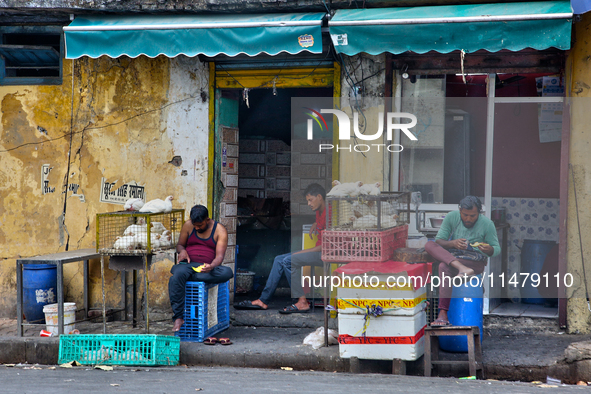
(386, 337)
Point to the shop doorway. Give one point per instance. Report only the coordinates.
(255, 188)
(265, 223)
(521, 192)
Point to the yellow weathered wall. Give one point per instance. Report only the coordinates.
(578, 73)
(121, 132)
(369, 166)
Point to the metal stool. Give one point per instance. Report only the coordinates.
(472, 333)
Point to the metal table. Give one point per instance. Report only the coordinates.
(58, 259)
(129, 264)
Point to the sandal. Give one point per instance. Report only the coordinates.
(210, 341)
(293, 309)
(440, 323)
(247, 305)
(225, 341)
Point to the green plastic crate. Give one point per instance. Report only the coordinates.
(115, 349)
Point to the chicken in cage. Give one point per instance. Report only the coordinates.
(368, 212)
(126, 232)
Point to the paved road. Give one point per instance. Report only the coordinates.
(47, 380)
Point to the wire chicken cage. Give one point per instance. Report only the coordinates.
(368, 213)
(136, 233)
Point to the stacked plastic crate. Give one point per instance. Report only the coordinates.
(207, 311)
(381, 310)
(365, 231)
(365, 228)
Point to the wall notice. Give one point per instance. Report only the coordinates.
(550, 114)
(121, 194)
(45, 188)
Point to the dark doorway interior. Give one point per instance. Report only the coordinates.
(264, 220)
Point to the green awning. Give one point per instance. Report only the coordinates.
(210, 35)
(512, 26)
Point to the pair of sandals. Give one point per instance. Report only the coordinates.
(248, 305)
(213, 341)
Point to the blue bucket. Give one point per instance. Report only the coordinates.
(533, 255)
(465, 309)
(39, 289)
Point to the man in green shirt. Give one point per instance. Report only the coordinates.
(462, 246)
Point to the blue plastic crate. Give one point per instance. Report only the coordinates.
(197, 324)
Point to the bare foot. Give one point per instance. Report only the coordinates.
(465, 272)
(259, 303)
(462, 269)
(442, 319)
(302, 304)
(177, 325)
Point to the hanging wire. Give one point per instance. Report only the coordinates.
(462, 55)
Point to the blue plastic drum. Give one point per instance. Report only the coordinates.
(39, 289)
(533, 255)
(465, 309)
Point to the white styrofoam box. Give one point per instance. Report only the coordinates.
(410, 302)
(386, 337)
(377, 281)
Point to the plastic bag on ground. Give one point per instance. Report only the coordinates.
(316, 338)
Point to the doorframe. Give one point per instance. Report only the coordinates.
(248, 78)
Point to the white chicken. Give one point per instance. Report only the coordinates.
(388, 221)
(128, 242)
(157, 228)
(361, 209)
(135, 229)
(142, 240)
(158, 206)
(371, 221)
(133, 204)
(165, 239)
(345, 189)
(388, 209)
(371, 189)
(365, 222)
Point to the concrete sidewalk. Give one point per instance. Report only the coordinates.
(514, 348)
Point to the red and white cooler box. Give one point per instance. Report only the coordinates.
(399, 332)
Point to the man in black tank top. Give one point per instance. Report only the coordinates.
(206, 241)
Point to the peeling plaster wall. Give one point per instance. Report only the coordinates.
(354, 166)
(579, 80)
(131, 117)
(188, 125)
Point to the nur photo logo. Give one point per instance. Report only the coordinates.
(346, 132)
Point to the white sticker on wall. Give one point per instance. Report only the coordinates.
(339, 39)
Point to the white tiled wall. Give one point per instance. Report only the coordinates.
(530, 218)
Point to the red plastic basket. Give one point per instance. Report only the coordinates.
(348, 246)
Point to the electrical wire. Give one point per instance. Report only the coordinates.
(72, 133)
